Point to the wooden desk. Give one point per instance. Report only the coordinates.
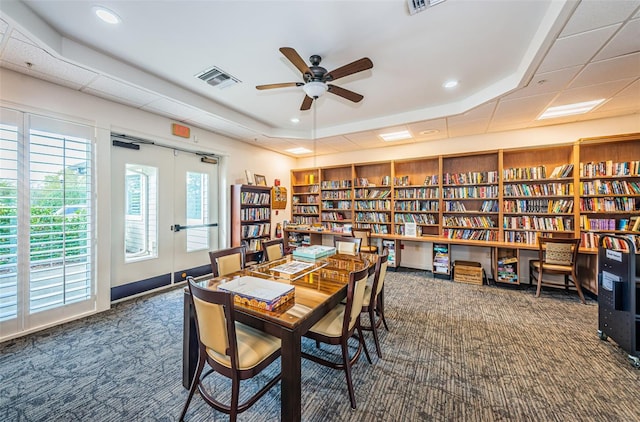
(317, 292)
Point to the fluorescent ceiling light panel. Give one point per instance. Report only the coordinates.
(395, 136)
(570, 109)
(299, 150)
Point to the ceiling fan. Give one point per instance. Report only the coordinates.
(316, 78)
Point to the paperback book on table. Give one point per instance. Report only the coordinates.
(314, 251)
(258, 292)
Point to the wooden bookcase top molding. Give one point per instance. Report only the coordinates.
(504, 196)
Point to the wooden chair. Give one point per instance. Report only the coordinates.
(556, 256)
(347, 244)
(339, 325)
(227, 261)
(365, 235)
(273, 249)
(230, 348)
(372, 303)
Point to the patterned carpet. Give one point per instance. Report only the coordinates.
(455, 352)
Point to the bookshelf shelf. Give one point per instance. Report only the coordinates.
(250, 216)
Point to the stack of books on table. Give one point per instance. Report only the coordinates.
(314, 252)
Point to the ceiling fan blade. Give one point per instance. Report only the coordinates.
(306, 103)
(295, 58)
(345, 93)
(282, 85)
(349, 69)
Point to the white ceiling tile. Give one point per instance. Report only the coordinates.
(522, 109)
(598, 13)
(427, 126)
(3, 26)
(546, 82)
(591, 92)
(19, 53)
(44, 76)
(171, 108)
(576, 49)
(468, 127)
(609, 70)
(120, 91)
(21, 37)
(626, 41)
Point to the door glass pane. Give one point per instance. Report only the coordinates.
(8, 222)
(60, 220)
(141, 212)
(197, 211)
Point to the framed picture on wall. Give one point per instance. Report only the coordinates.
(260, 180)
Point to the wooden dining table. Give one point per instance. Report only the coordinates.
(318, 289)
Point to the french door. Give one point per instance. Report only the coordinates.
(164, 215)
(47, 221)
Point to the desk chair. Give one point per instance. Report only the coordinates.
(339, 325)
(556, 256)
(371, 303)
(227, 261)
(347, 245)
(273, 249)
(365, 235)
(230, 348)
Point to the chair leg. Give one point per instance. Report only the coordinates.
(347, 371)
(235, 397)
(364, 345)
(192, 389)
(539, 281)
(380, 311)
(375, 331)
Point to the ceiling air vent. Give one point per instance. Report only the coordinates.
(217, 77)
(416, 6)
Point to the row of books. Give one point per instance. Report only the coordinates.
(341, 205)
(470, 234)
(609, 187)
(336, 194)
(305, 209)
(336, 184)
(417, 193)
(401, 230)
(507, 271)
(307, 220)
(364, 182)
(417, 206)
(561, 171)
(524, 173)
(471, 192)
(256, 230)
(527, 238)
(592, 240)
(538, 189)
(375, 228)
(255, 214)
(304, 199)
(416, 218)
(255, 198)
(620, 224)
(383, 205)
(335, 216)
(538, 223)
(458, 221)
(372, 193)
(467, 178)
(619, 203)
(406, 180)
(556, 206)
(372, 217)
(610, 168)
(489, 206)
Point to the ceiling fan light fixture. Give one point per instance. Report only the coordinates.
(314, 89)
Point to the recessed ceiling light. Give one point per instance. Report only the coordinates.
(299, 150)
(395, 136)
(106, 15)
(570, 109)
(295, 120)
(450, 84)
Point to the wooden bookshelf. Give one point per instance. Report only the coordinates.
(416, 196)
(372, 197)
(305, 196)
(470, 193)
(336, 187)
(250, 216)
